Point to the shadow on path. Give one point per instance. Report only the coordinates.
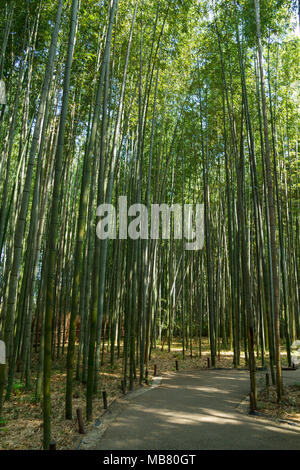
(196, 411)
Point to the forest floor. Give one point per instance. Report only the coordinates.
(22, 427)
(288, 409)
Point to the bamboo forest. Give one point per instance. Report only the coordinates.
(149, 224)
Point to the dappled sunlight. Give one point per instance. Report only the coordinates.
(196, 410)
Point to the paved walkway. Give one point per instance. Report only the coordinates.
(197, 410)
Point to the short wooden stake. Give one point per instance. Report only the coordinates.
(80, 421)
(176, 364)
(252, 407)
(268, 385)
(123, 388)
(155, 370)
(208, 363)
(52, 446)
(104, 395)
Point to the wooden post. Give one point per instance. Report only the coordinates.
(52, 446)
(104, 395)
(155, 369)
(123, 388)
(208, 363)
(252, 407)
(268, 385)
(80, 421)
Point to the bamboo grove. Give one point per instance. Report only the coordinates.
(163, 102)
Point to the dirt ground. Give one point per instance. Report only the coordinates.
(22, 428)
(288, 410)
